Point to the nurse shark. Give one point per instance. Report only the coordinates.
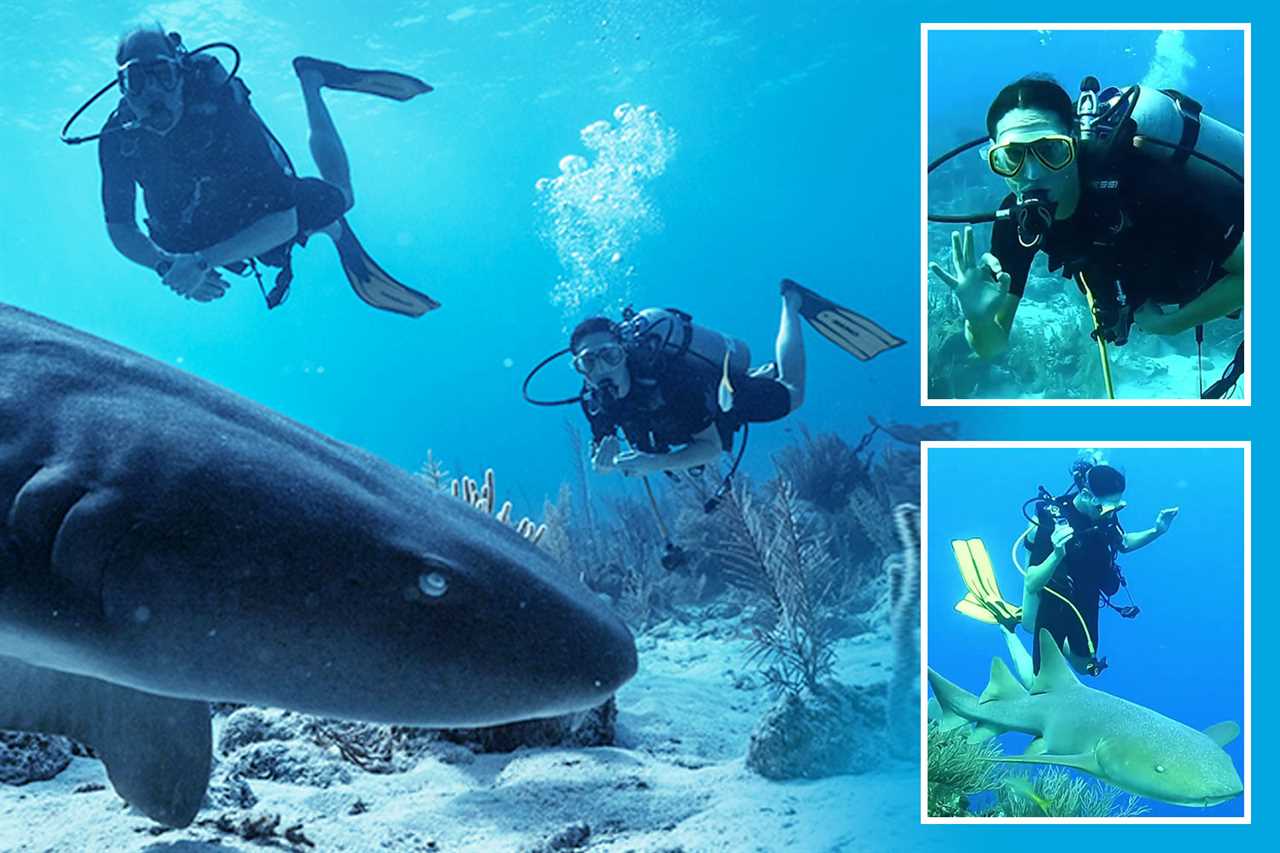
(165, 543)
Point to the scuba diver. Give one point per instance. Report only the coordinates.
(661, 397)
(219, 188)
(1072, 542)
(678, 392)
(1135, 194)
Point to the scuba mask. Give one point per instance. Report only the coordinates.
(1055, 152)
(610, 355)
(134, 76)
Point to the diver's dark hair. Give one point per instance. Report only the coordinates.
(1034, 91)
(1102, 479)
(129, 40)
(590, 326)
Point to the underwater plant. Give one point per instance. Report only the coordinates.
(780, 552)
(958, 770)
(824, 470)
(1054, 792)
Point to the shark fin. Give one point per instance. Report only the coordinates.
(1084, 761)
(1002, 684)
(982, 732)
(157, 750)
(1055, 673)
(1036, 747)
(1223, 733)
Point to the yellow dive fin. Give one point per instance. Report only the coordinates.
(983, 600)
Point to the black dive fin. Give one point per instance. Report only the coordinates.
(857, 335)
(386, 84)
(157, 750)
(375, 285)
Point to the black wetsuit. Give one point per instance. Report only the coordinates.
(217, 172)
(676, 403)
(1143, 223)
(1087, 571)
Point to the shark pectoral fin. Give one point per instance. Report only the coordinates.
(1081, 761)
(1002, 684)
(1055, 673)
(1036, 747)
(157, 750)
(1223, 733)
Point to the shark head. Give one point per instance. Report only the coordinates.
(1195, 771)
(350, 589)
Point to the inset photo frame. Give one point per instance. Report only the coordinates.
(1086, 214)
(1085, 632)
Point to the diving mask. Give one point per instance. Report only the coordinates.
(1055, 151)
(610, 355)
(134, 75)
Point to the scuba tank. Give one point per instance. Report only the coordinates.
(1158, 124)
(668, 333)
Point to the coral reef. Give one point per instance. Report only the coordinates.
(1051, 353)
(26, 758)
(830, 729)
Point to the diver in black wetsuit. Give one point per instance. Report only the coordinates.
(1073, 545)
(1154, 237)
(219, 189)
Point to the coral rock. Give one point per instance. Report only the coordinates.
(832, 730)
(28, 758)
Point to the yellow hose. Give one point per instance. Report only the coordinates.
(1084, 626)
(1103, 356)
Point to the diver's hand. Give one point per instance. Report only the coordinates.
(1152, 319)
(978, 284)
(1062, 535)
(632, 463)
(606, 450)
(1164, 518)
(190, 276)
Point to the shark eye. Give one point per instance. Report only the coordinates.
(1159, 768)
(433, 584)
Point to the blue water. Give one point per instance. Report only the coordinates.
(1183, 655)
(797, 129)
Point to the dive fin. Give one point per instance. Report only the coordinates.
(984, 592)
(386, 84)
(857, 335)
(375, 285)
(157, 750)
